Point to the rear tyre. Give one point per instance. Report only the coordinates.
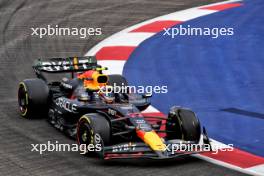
(33, 97)
(183, 124)
(93, 129)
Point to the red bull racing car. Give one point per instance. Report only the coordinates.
(79, 107)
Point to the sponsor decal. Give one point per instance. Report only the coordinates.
(62, 65)
(97, 138)
(67, 105)
(112, 112)
(124, 147)
(66, 85)
(140, 121)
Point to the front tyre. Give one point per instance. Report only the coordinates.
(183, 124)
(93, 132)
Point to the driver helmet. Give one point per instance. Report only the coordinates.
(93, 80)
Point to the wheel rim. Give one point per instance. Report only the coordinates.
(84, 133)
(84, 136)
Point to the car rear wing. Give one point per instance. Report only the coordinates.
(70, 64)
(65, 65)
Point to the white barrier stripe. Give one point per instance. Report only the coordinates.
(186, 15)
(151, 109)
(256, 170)
(114, 67)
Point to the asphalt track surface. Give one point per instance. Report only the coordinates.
(18, 49)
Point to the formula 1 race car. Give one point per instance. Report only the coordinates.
(80, 107)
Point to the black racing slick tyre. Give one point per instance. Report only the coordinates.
(183, 124)
(117, 80)
(33, 97)
(93, 131)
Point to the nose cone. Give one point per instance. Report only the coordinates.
(152, 139)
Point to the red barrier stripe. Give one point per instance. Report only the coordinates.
(114, 52)
(236, 157)
(156, 26)
(222, 6)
